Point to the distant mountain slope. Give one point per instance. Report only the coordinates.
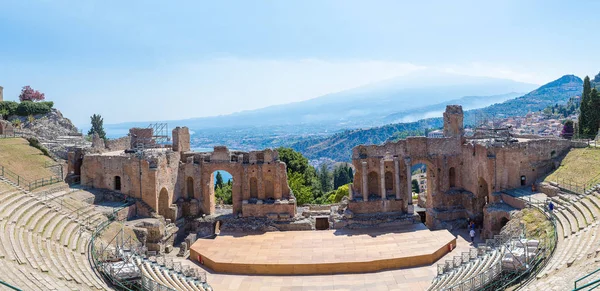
(339, 146)
(359, 107)
(468, 102)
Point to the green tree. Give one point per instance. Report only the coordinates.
(224, 193)
(415, 186)
(298, 164)
(594, 112)
(339, 194)
(350, 174)
(584, 115)
(4, 113)
(97, 126)
(325, 179)
(342, 175)
(218, 181)
(302, 192)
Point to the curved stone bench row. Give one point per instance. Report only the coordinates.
(47, 246)
(464, 272)
(578, 219)
(167, 278)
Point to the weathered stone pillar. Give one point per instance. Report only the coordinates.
(277, 183)
(382, 178)
(245, 185)
(407, 162)
(397, 177)
(365, 189)
(260, 185)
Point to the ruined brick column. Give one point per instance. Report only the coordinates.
(365, 190)
(397, 177)
(382, 178)
(408, 180)
(277, 184)
(261, 185)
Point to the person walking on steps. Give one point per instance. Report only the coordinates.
(472, 234)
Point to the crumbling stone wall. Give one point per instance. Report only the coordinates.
(119, 144)
(6, 127)
(176, 182)
(462, 175)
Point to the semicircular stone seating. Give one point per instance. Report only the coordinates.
(43, 245)
(466, 271)
(578, 236)
(168, 278)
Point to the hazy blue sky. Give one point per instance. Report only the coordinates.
(149, 60)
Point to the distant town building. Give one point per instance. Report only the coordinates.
(435, 134)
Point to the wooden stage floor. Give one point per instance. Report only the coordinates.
(324, 251)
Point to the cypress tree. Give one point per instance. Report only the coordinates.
(584, 119)
(219, 181)
(594, 112)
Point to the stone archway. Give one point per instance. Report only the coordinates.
(373, 183)
(164, 203)
(452, 177)
(190, 187)
(253, 188)
(389, 182)
(482, 193)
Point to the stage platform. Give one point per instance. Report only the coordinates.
(323, 251)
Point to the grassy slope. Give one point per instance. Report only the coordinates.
(580, 166)
(28, 162)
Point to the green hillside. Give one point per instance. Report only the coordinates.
(339, 146)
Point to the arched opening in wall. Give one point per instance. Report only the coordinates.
(117, 183)
(253, 188)
(523, 180)
(420, 184)
(389, 183)
(497, 227)
(269, 190)
(503, 222)
(452, 177)
(223, 187)
(164, 203)
(189, 184)
(373, 183)
(482, 193)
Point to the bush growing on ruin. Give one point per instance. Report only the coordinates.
(9, 106)
(16, 123)
(29, 94)
(27, 108)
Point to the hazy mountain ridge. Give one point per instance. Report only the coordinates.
(339, 146)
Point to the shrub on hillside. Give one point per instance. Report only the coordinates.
(34, 142)
(27, 108)
(9, 106)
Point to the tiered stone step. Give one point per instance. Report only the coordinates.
(467, 271)
(44, 248)
(167, 277)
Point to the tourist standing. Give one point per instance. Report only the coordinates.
(551, 207)
(472, 234)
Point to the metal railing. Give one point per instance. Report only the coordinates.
(587, 284)
(9, 286)
(575, 187)
(546, 253)
(24, 183)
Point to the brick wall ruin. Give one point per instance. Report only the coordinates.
(463, 175)
(176, 182)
